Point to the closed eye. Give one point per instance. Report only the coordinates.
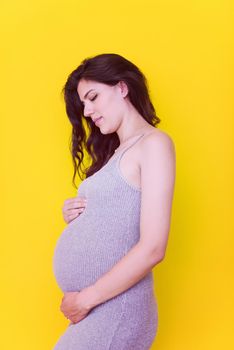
(92, 99)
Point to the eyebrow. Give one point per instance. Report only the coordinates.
(87, 93)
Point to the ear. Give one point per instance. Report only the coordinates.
(123, 88)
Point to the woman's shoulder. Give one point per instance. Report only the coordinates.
(157, 149)
(156, 137)
(156, 144)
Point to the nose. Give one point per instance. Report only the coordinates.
(88, 111)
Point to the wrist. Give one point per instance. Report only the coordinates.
(92, 297)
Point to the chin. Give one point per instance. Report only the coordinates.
(107, 132)
(103, 130)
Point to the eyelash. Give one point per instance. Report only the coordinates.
(92, 99)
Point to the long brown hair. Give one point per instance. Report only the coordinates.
(107, 69)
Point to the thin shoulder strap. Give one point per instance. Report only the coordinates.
(120, 153)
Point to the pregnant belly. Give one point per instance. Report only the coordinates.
(85, 251)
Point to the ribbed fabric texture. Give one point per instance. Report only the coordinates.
(89, 247)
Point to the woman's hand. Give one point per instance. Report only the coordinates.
(73, 207)
(76, 305)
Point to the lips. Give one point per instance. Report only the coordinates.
(96, 121)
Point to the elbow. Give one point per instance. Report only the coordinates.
(157, 256)
(153, 255)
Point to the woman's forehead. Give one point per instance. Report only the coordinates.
(88, 84)
(84, 86)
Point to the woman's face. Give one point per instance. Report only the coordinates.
(103, 101)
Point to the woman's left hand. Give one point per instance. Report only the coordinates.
(76, 305)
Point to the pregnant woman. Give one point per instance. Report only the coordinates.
(118, 225)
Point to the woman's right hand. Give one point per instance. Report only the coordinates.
(73, 207)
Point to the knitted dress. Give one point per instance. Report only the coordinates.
(91, 245)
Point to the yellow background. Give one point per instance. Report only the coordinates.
(185, 50)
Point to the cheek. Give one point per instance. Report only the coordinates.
(110, 107)
(113, 106)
